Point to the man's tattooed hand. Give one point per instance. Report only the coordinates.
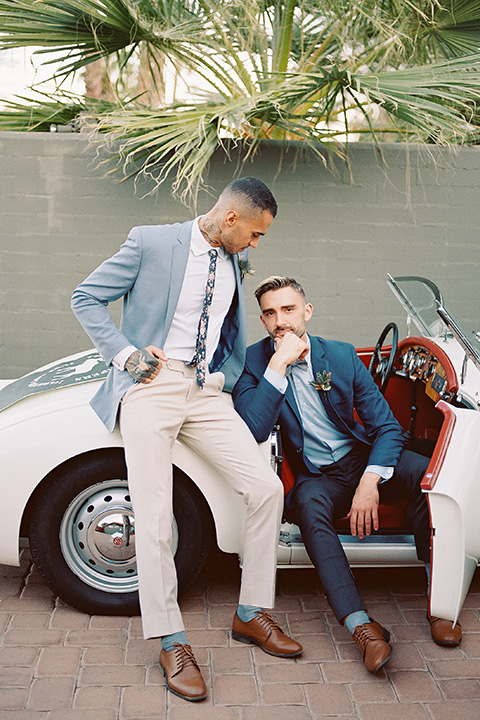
(144, 365)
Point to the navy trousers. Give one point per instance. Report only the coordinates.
(321, 498)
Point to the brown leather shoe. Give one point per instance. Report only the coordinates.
(444, 632)
(267, 634)
(182, 673)
(372, 639)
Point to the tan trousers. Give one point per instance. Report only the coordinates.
(152, 416)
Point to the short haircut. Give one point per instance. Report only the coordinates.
(277, 282)
(254, 191)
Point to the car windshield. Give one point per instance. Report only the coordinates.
(424, 303)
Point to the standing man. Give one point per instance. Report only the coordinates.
(180, 342)
(312, 387)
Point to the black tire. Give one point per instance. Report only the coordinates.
(81, 535)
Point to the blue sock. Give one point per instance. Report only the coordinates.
(168, 640)
(359, 617)
(427, 570)
(247, 612)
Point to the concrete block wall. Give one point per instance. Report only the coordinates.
(339, 231)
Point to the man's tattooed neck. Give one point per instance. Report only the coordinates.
(211, 231)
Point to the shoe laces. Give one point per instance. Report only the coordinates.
(363, 634)
(267, 621)
(184, 656)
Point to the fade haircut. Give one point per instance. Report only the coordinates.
(277, 282)
(254, 191)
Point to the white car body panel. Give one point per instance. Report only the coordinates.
(65, 413)
(454, 504)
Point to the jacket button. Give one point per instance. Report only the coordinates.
(299, 450)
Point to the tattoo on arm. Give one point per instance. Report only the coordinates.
(211, 230)
(141, 365)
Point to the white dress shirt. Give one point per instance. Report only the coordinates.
(182, 336)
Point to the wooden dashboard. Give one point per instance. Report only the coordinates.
(420, 359)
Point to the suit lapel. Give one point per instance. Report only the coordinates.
(180, 252)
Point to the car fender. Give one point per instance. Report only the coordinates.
(452, 484)
(60, 425)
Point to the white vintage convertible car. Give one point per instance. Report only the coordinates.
(63, 481)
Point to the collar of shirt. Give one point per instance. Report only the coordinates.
(199, 245)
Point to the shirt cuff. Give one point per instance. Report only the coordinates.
(279, 382)
(384, 472)
(121, 357)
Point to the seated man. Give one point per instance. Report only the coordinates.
(312, 386)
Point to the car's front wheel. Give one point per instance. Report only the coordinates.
(82, 534)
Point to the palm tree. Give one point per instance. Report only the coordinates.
(320, 71)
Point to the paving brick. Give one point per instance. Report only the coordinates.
(97, 697)
(404, 711)
(460, 689)
(373, 690)
(99, 656)
(221, 616)
(203, 711)
(324, 700)
(142, 652)
(306, 622)
(406, 656)
(23, 715)
(18, 656)
(30, 605)
(58, 661)
(296, 672)
(455, 709)
(281, 694)
(93, 638)
(316, 647)
(15, 676)
(286, 712)
(106, 621)
(51, 693)
(115, 675)
(143, 702)
(208, 638)
(37, 637)
(29, 620)
(414, 686)
(67, 619)
(13, 699)
(83, 714)
(235, 690)
(455, 668)
(230, 660)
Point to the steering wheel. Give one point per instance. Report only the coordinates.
(381, 368)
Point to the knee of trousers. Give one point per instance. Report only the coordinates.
(267, 491)
(317, 510)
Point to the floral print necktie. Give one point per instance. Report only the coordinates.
(200, 356)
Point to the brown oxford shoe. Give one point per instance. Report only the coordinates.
(182, 674)
(267, 634)
(372, 639)
(444, 632)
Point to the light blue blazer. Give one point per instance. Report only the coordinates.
(148, 273)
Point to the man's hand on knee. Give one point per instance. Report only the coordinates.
(363, 514)
(144, 365)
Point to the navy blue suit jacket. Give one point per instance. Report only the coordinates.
(352, 388)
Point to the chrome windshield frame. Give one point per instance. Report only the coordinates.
(445, 316)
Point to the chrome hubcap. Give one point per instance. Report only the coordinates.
(97, 537)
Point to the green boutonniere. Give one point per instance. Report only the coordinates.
(323, 381)
(245, 268)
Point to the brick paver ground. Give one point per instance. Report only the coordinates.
(59, 664)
